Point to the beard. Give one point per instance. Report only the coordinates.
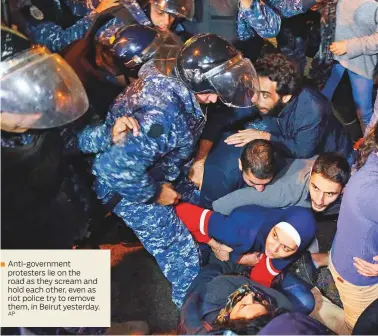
(275, 110)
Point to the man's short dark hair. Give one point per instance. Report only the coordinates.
(259, 159)
(333, 167)
(278, 68)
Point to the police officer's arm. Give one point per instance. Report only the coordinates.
(289, 8)
(55, 37)
(257, 18)
(95, 138)
(124, 166)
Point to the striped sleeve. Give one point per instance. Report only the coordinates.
(196, 219)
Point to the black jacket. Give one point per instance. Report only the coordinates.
(208, 295)
(307, 127)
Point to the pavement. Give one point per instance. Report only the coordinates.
(139, 289)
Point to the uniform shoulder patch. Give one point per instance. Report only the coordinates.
(155, 131)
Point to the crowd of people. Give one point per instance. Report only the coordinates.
(220, 149)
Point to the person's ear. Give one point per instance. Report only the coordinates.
(240, 165)
(342, 191)
(286, 99)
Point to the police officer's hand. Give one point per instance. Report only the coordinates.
(124, 125)
(105, 4)
(196, 173)
(168, 196)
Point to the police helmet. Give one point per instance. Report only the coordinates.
(38, 89)
(208, 63)
(129, 48)
(179, 8)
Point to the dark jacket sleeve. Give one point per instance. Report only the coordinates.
(303, 128)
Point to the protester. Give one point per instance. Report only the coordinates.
(229, 168)
(266, 239)
(355, 51)
(309, 183)
(217, 301)
(355, 244)
(298, 121)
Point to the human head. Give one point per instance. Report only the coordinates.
(257, 164)
(163, 13)
(293, 233)
(38, 89)
(160, 19)
(329, 175)
(129, 48)
(247, 306)
(209, 64)
(368, 146)
(279, 81)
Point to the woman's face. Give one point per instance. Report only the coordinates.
(279, 244)
(160, 19)
(247, 309)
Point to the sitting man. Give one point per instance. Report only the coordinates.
(254, 166)
(299, 122)
(218, 301)
(302, 183)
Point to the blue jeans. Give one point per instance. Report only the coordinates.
(298, 292)
(362, 89)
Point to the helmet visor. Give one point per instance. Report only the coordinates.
(180, 8)
(157, 47)
(42, 87)
(235, 82)
(166, 55)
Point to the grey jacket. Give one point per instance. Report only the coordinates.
(289, 188)
(356, 22)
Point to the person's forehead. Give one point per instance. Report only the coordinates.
(266, 85)
(325, 184)
(285, 239)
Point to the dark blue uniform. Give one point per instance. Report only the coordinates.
(171, 121)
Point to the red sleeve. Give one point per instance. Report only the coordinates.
(264, 272)
(196, 219)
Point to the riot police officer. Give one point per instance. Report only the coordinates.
(144, 176)
(39, 92)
